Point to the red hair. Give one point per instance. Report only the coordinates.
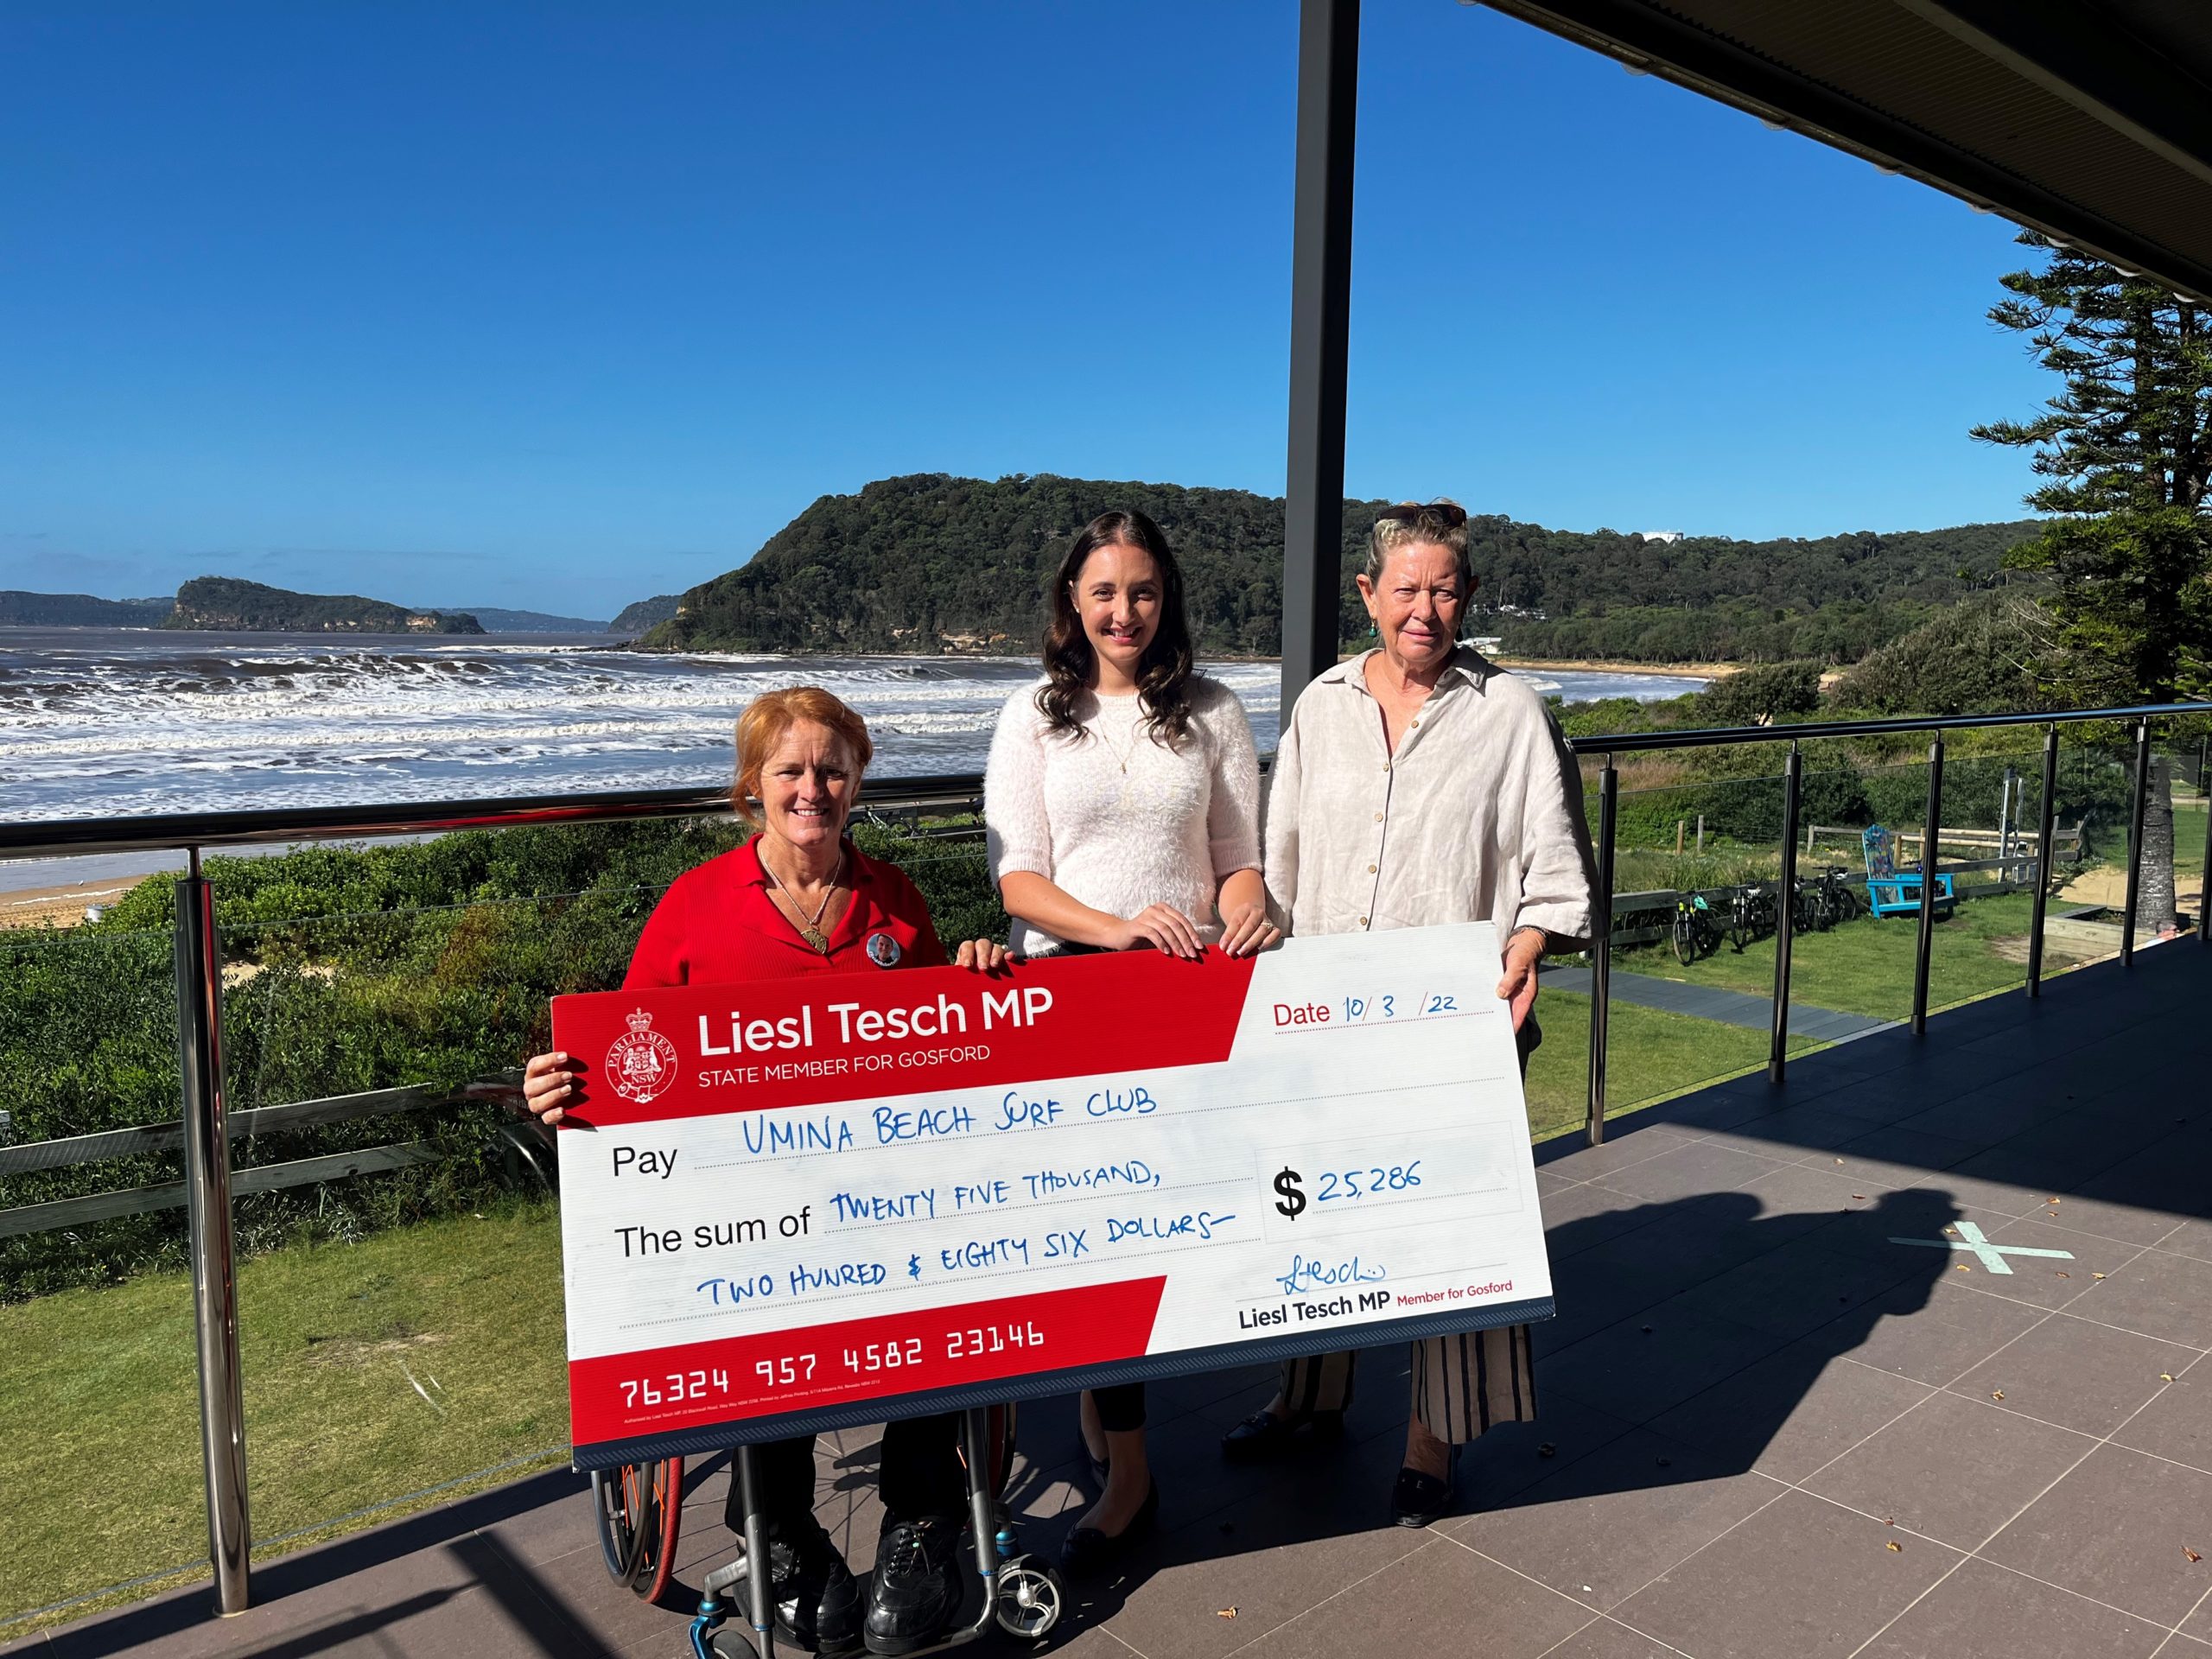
(773, 714)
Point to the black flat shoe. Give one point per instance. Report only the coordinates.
(1418, 1499)
(1087, 1548)
(1264, 1435)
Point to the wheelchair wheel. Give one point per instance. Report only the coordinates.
(639, 1509)
(1027, 1598)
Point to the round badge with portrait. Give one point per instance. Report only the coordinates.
(883, 951)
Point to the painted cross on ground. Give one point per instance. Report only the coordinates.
(1971, 1237)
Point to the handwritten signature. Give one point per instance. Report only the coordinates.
(1306, 1275)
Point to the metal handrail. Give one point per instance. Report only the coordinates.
(1805, 731)
(178, 831)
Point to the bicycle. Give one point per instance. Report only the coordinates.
(1694, 933)
(1826, 900)
(1747, 914)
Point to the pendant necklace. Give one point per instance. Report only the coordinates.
(1122, 756)
(810, 931)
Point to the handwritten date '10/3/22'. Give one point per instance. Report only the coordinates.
(1354, 1009)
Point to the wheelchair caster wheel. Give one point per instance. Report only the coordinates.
(1028, 1598)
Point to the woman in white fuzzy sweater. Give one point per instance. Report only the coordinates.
(1122, 800)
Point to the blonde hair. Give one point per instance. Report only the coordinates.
(770, 715)
(1410, 524)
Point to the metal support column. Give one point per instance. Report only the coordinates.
(208, 1206)
(2135, 842)
(1601, 944)
(2043, 858)
(1785, 905)
(1321, 331)
(1931, 855)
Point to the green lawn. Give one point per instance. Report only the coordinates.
(1650, 1057)
(101, 1390)
(1865, 966)
(2188, 837)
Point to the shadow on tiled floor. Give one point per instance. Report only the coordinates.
(1768, 1430)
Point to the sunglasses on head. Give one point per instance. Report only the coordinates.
(1450, 514)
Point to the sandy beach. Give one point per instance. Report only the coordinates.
(62, 906)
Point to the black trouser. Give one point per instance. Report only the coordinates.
(1121, 1408)
(921, 1476)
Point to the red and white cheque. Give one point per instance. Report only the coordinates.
(808, 1203)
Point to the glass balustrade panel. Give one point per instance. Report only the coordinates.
(97, 1361)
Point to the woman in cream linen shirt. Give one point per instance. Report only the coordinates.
(1415, 784)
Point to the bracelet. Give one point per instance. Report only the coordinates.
(1543, 940)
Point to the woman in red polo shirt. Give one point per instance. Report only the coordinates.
(801, 898)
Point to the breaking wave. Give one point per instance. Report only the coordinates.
(95, 722)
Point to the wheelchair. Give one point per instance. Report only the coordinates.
(638, 1509)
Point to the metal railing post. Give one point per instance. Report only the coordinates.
(1601, 945)
(1931, 853)
(1786, 913)
(2135, 842)
(2204, 885)
(2043, 858)
(207, 1207)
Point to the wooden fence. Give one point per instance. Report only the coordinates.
(168, 1137)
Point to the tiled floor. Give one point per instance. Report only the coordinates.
(1769, 1431)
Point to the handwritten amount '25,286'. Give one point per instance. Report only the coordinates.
(1340, 1184)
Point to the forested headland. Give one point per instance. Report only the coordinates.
(931, 563)
(24, 610)
(642, 614)
(228, 604)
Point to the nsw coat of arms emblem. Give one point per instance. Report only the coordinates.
(641, 1064)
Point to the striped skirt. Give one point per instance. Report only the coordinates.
(1463, 1386)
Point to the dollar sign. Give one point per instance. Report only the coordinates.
(914, 1266)
(1293, 1201)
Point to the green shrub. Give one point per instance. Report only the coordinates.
(348, 970)
(1762, 693)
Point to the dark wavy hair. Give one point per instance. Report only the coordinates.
(1163, 670)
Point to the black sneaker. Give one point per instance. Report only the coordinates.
(817, 1599)
(917, 1590)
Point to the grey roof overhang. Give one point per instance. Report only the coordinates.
(2092, 122)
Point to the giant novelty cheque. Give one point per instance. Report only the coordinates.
(817, 1201)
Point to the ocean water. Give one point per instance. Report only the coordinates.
(121, 722)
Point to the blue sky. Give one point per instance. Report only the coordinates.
(558, 306)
